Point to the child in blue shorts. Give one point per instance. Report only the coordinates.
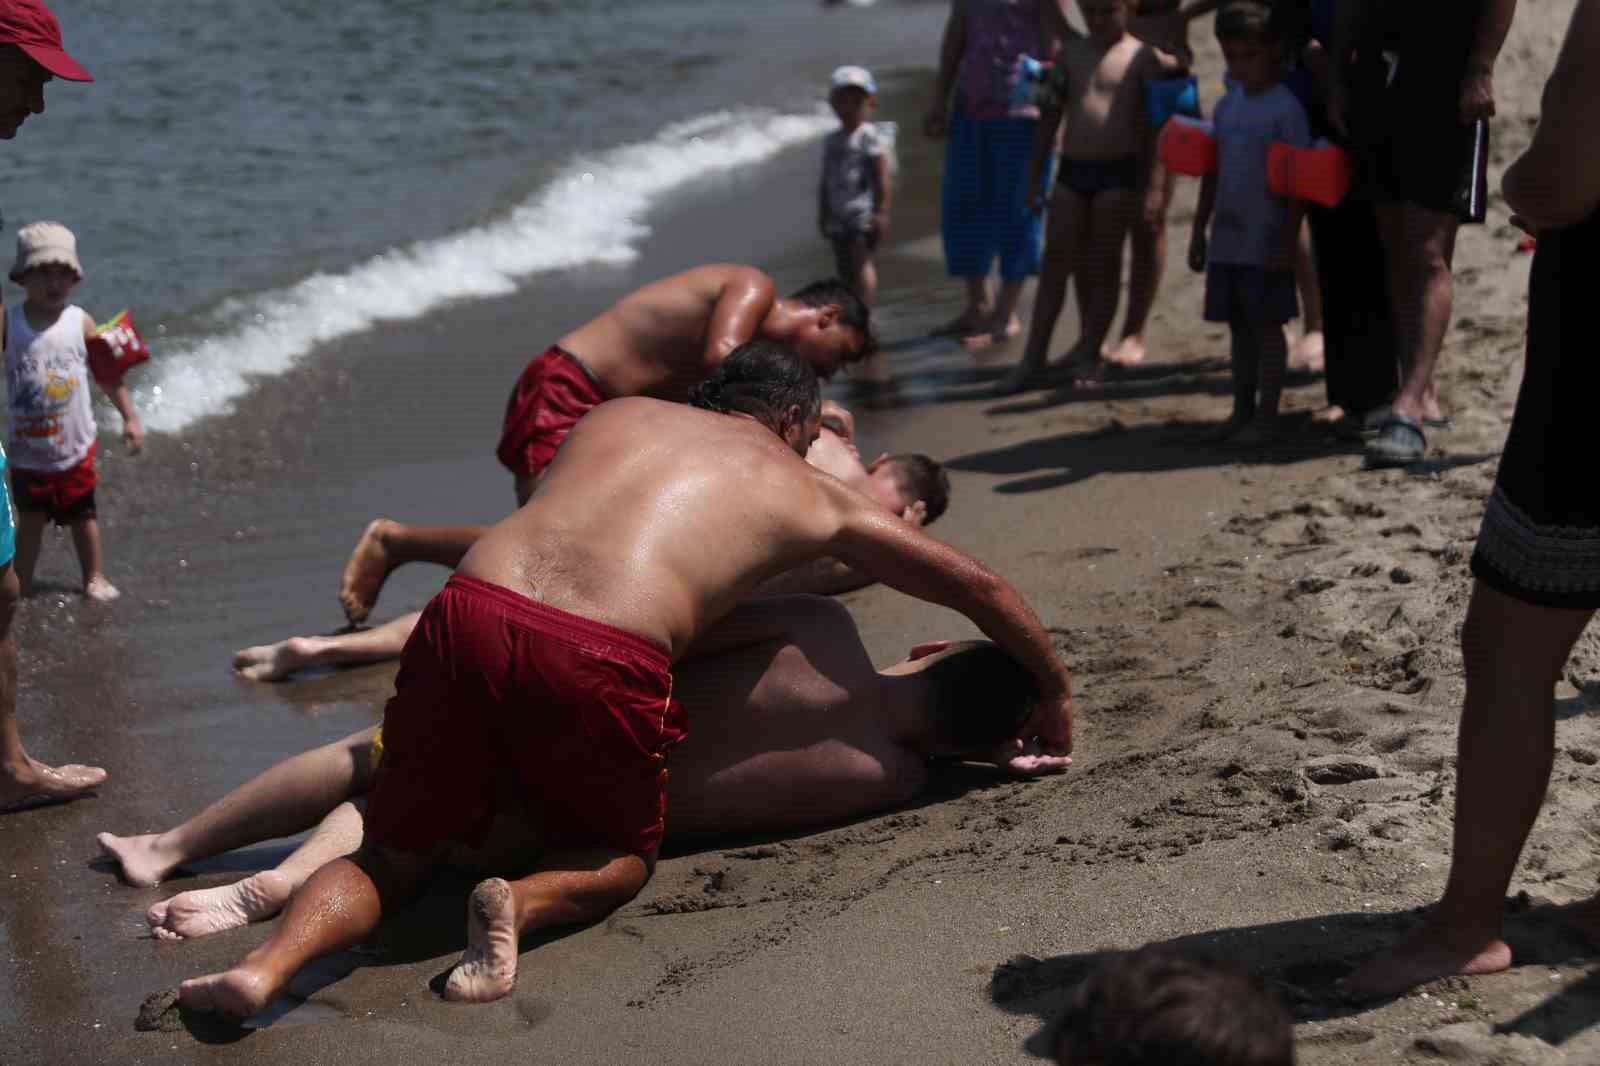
(1249, 257)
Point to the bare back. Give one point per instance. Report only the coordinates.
(657, 518)
(1104, 105)
(654, 341)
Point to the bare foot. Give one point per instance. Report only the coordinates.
(100, 590)
(1128, 352)
(141, 861)
(993, 334)
(274, 662)
(211, 910)
(1426, 955)
(38, 781)
(364, 572)
(239, 992)
(488, 968)
(1330, 415)
(1309, 352)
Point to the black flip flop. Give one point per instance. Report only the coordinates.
(1399, 442)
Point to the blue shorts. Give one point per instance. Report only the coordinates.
(983, 199)
(1250, 295)
(8, 518)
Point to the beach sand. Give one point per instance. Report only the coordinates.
(1267, 686)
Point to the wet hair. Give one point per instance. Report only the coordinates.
(853, 311)
(1248, 20)
(763, 380)
(922, 478)
(981, 696)
(1162, 1007)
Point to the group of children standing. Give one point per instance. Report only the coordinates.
(1111, 189)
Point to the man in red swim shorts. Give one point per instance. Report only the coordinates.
(538, 683)
(662, 339)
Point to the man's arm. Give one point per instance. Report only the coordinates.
(1557, 180)
(951, 45)
(890, 549)
(1477, 87)
(747, 295)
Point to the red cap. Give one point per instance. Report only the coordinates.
(30, 26)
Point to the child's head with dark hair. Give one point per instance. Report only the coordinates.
(982, 696)
(769, 383)
(919, 478)
(1252, 44)
(1161, 1007)
(841, 329)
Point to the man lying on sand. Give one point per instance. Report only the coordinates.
(662, 339)
(795, 732)
(539, 680)
(910, 485)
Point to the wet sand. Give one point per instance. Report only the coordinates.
(1264, 648)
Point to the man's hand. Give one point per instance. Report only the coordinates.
(1025, 760)
(934, 122)
(1050, 725)
(1477, 96)
(916, 514)
(839, 420)
(1197, 252)
(133, 434)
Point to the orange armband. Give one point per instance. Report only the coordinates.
(116, 349)
(1321, 174)
(1186, 146)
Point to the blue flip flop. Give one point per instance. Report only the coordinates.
(1399, 443)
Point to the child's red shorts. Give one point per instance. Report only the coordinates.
(503, 704)
(66, 496)
(553, 392)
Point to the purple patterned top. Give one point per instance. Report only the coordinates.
(999, 33)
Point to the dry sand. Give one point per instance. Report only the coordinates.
(1268, 683)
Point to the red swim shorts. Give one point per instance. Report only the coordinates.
(503, 703)
(553, 392)
(66, 496)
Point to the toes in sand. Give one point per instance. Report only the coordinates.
(139, 859)
(364, 572)
(212, 910)
(488, 968)
(239, 993)
(51, 783)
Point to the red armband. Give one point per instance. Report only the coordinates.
(116, 349)
(1321, 174)
(1187, 147)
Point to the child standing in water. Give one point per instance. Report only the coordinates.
(855, 192)
(53, 433)
(1249, 257)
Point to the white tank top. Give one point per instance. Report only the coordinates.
(47, 374)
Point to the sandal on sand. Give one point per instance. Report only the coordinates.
(1399, 443)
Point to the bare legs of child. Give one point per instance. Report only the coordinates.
(1260, 355)
(1085, 234)
(276, 662)
(854, 262)
(1309, 351)
(387, 544)
(85, 540)
(1147, 266)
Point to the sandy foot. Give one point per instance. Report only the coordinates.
(274, 662)
(990, 336)
(100, 590)
(1424, 956)
(38, 781)
(211, 910)
(140, 862)
(364, 572)
(488, 968)
(1128, 352)
(239, 992)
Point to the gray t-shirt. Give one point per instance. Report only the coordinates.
(849, 181)
(1247, 226)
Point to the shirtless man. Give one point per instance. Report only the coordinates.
(539, 679)
(796, 732)
(910, 485)
(1097, 87)
(662, 339)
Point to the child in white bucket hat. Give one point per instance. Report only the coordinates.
(53, 433)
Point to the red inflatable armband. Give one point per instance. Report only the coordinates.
(1187, 146)
(1321, 174)
(115, 350)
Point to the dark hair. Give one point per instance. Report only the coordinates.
(853, 311)
(922, 478)
(760, 379)
(981, 696)
(1160, 1007)
(1251, 20)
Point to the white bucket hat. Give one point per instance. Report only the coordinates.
(853, 78)
(42, 243)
